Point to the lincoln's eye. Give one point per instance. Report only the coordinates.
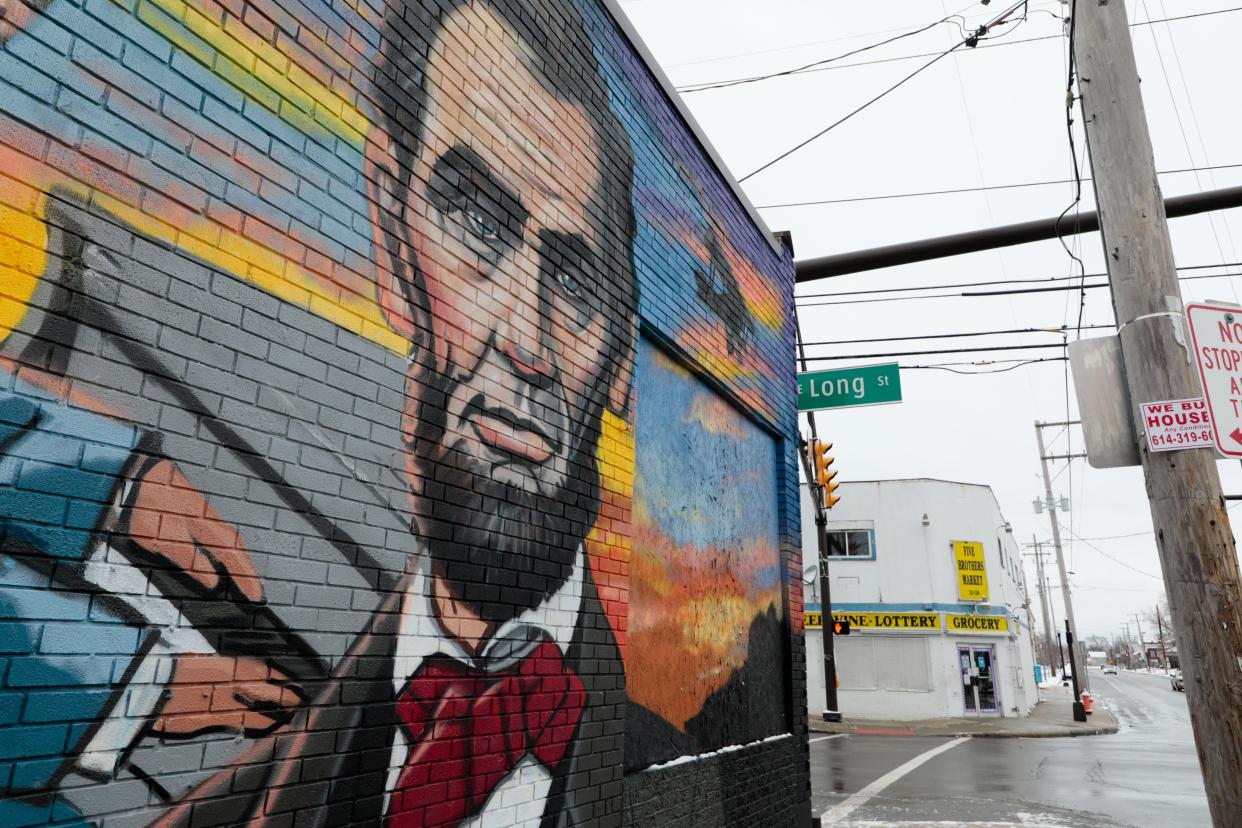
(568, 282)
(481, 224)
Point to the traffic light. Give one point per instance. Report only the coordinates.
(824, 472)
(840, 627)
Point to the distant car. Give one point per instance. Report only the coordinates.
(1179, 684)
(1110, 669)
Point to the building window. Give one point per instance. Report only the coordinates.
(851, 543)
(871, 662)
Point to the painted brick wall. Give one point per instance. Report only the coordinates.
(326, 331)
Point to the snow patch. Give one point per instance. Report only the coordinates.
(681, 760)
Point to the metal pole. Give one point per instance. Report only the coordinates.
(1080, 711)
(1164, 655)
(1138, 625)
(858, 261)
(1062, 651)
(831, 711)
(1056, 541)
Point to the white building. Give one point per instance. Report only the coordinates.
(930, 577)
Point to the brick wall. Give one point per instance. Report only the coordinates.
(322, 499)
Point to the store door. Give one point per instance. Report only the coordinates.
(978, 682)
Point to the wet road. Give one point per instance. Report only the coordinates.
(1145, 776)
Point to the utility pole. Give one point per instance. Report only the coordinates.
(1129, 647)
(1056, 542)
(1043, 602)
(1164, 656)
(1197, 554)
(1138, 625)
(831, 712)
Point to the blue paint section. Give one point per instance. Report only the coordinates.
(687, 216)
(59, 654)
(57, 461)
(58, 90)
(707, 475)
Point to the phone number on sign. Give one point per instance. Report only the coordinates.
(1181, 438)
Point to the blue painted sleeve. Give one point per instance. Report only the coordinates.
(59, 469)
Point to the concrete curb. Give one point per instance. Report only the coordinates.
(1043, 733)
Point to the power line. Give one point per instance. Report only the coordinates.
(695, 87)
(1012, 282)
(979, 294)
(940, 351)
(702, 87)
(1118, 537)
(964, 41)
(1057, 331)
(1017, 364)
(962, 190)
(1110, 557)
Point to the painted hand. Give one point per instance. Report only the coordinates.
(178, 532)
(237, 694)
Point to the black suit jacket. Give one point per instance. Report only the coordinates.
(329, 764)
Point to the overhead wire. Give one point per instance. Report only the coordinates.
(1106, 555)
(962, 190)
(799, 69)
(1016, 364)
(692, 87)
(1002, 332)
(983, 30)
(1181, 125)
(985, 293)
(935, 351)
(992, 282)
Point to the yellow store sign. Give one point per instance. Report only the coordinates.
(976, 623)
(914, 621)
(972, 572)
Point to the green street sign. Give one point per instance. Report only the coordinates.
(841, 387)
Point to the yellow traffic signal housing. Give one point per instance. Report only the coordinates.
(824, 473)
(831, 498)
(822, 461)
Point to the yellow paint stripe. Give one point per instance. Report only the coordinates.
(257, 69)
(265, 269)
(23, 242)
(615, 455)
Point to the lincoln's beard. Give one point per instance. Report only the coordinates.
(502, 549)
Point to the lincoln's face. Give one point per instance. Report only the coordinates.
(503, 406)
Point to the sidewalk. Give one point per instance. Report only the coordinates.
(1053, 716)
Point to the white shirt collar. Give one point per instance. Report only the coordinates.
(420, 634)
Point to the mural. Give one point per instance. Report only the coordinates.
(317, 441)
(705, 666)
(733, 308)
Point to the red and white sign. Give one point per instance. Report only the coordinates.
(1177, 424)
(1216, 331)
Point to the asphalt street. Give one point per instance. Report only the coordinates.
(1146, 775)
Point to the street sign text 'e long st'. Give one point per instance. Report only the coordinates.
(855, 386)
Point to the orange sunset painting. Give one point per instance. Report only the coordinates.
(705, 614)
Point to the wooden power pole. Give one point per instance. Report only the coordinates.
(1076, 659)
(1196, 546)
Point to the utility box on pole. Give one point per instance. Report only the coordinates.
(1196, 546)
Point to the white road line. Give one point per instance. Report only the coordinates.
(825, 738)
(842, 810)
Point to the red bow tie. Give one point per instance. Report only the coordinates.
(467, 729)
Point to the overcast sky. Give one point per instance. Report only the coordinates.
(984, 117)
